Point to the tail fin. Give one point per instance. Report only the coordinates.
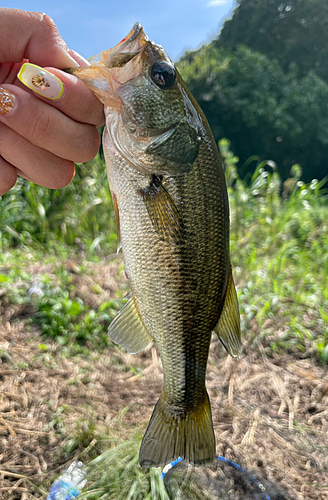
(171, 435)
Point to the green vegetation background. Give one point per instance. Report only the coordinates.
(279, 249)
(263, 83)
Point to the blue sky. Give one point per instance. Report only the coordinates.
(89, 26)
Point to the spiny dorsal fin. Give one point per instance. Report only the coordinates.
(127, 329)
(228, 327)
(161, 209)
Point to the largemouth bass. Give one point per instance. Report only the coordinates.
(172, 214)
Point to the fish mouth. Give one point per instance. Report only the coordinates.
(111, 69)
(128, 48)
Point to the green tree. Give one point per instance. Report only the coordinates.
(262, 110)
(286, 30)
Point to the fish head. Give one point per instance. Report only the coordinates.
(151, 117)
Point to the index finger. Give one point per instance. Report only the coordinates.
(38, 40)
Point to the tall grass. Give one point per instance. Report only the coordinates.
(279, 249)
(79, 215)
(116, 475)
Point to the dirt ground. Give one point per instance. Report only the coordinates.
(270, 414)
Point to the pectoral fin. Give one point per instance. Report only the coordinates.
(127, 329)
(117, 219)
(228, 327)
(161, 209)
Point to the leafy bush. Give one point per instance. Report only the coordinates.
(70, 322)
(291, 32)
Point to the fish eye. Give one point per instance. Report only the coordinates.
(163, 74)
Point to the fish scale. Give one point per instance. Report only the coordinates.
(172, 213)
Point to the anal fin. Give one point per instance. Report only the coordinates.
(228, 327)
(127, 329)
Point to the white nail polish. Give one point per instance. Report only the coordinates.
(41, 81)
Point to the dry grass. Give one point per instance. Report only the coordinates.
(270, 415)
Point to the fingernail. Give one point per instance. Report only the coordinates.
(41, 81)
(7, 101)
(70, 61)
(78, 58)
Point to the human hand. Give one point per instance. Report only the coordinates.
(40, 137)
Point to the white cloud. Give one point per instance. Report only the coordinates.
(216, 3)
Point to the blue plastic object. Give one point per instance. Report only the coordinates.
(222, 459)
(69, 484)
(169, 466)
(236, 466)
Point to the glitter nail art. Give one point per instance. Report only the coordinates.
(41, 81)
(7, 100)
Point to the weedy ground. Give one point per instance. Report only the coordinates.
(67, 393)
